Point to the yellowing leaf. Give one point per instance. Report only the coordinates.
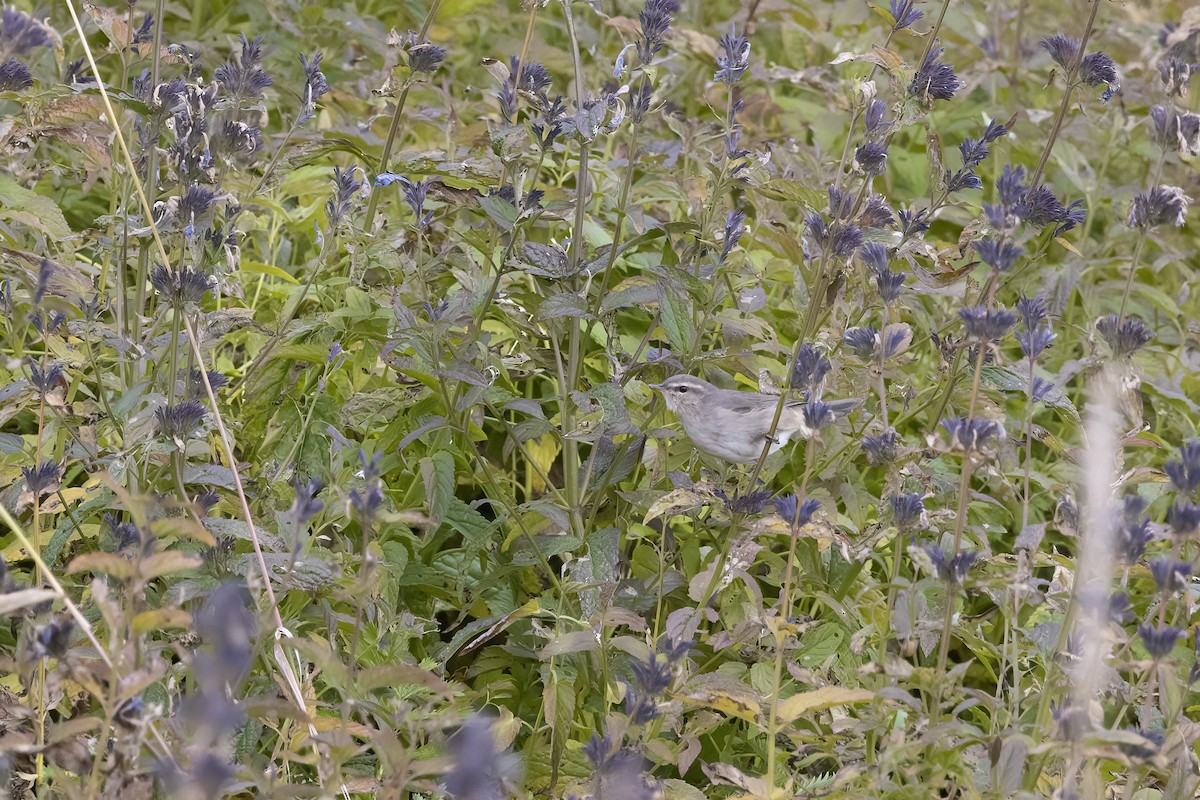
(825, 697)
(1068, 245)
(542, 451)
(741, 705)
(160, 619)
(161, 564)
(105, 563)
(677, 501)
(182, 528)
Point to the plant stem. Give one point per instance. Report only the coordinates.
(1072, 74)
(574, 365)
(964, 488)
(394, 127)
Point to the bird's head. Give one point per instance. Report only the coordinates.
(683, 393)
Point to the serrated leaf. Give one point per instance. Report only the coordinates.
(32, 209)
(545, 260)
(888, 60)
(258, 268)
(502, 212)
(725, 695)
(181, 528)
(475, 528)
(563, 304)
(676, 319)
(437, 472)
(1010, 378)
(821, 644)
(103, 563)
(1067, 245)
(639, 294)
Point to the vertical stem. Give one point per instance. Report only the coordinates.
(1072, 73)
(394, 127)
(785, 609)
(931, 38)
(893, 579)
(964, 489)
(573, 366)
(1133, 267)
(1014, 74)
(1028, 447)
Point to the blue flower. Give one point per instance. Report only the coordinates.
(1184, 518)
(1159, 641)
(1185, 473)
(1170, 575)
(181, 421)
(1124, 337)
(934, 80)
(818, 415)
(1061, 48)
(986, 324)
(872, 157)
(913, 223)
(1161, 205)
(873, 119)
(904, 14)
(971, 433)
(1034, 342)
(908, 510)
(880, 449)
(792, 511)
(999, 255)
(425, 57)
(863, 341)
(810, 369)
(875, 256)
(954, 570)
(733, 58)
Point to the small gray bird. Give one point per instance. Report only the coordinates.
(733, 425)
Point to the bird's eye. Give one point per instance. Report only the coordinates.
(682, 390)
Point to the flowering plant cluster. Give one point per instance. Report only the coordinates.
(331, 460)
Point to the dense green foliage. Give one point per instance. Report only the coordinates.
(331, 464)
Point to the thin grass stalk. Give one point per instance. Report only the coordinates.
(226, 440)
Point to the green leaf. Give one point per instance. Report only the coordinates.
(1012, 378)
(564, 304)
(475, 528)
(821, 643)
(558, 700)
(676, 320)
(258, 268)
(437, 471)
(32, 209)
(502, 212)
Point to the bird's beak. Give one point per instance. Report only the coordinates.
(658, 386)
